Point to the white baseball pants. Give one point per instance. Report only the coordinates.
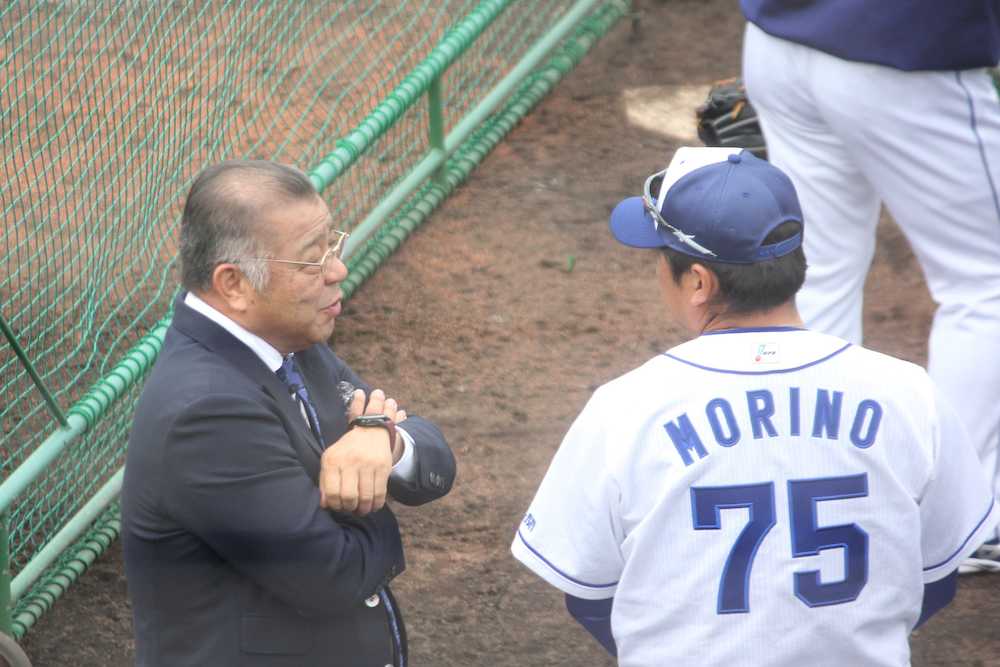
(853, 136)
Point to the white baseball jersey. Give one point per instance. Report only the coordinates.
(760, 497)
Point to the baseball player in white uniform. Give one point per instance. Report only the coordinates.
(762, 494)
(868, 103)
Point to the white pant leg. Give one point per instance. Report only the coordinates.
(929, 145)
(937, 167)
(840, 206)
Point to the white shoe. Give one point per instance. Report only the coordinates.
(984, 559)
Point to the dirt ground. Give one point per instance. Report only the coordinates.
(479, 323)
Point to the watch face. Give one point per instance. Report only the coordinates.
(371, 420)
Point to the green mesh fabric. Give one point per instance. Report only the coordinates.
(107, 111)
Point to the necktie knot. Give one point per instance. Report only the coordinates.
(289, 374)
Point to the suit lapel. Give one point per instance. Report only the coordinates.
(227, 346)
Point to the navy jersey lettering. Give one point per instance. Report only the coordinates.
(715, 408)
(685, 439)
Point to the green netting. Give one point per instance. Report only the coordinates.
(108, 109)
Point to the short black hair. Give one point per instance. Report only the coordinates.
(222, 208)
(751, 288)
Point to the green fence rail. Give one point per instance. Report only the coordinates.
(107, 111)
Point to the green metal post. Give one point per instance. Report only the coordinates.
(458, 167)
(436, 157)
(407, 93)
(85, 412)
(49, 398)
(81, 522)
(436, 122)
(517, 75)
(6, 625)
(57, 581)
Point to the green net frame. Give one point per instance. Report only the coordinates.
(109, 109)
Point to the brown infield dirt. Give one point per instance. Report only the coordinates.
(482, 323)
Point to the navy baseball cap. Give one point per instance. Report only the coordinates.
(716, 204)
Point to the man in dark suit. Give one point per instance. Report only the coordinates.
(254, 520)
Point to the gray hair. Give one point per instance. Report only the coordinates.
(222, 213)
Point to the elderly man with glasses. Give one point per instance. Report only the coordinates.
(255, 524)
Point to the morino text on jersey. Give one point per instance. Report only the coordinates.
(819, 413)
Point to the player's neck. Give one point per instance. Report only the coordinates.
(785, 315)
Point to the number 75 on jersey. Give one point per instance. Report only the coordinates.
(808, 539)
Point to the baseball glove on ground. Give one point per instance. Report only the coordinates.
(727, 119)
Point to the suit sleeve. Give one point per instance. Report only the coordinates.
(433, 458)
(434, 461)
(233, 479)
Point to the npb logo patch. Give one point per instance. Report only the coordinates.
(766, 353)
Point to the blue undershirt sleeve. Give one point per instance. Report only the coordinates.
(937, 596)
(595, 617)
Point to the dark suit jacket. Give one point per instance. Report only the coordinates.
(229, 557)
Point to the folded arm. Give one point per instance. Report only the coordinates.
(429, 472)
(433, 465)
(233, 480)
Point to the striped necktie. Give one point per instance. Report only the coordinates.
(289, 374)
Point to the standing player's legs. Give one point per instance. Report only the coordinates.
(929, 145)
(839, 204)
(939, 174)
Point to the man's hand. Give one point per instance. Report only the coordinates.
(354, 471)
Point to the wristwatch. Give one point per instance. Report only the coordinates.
(377, 421)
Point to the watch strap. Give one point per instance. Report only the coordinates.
(377, 421)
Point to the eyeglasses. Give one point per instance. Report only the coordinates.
(650, 205)
(334, 252)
